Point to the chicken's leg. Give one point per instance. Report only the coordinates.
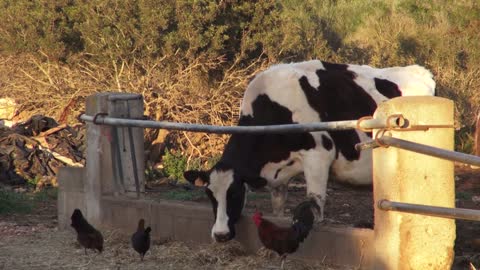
(284, 257)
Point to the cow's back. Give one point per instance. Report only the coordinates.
(281, 83)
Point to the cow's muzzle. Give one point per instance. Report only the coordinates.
(222, 237)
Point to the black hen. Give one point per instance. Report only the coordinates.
(141, 239)
(87, 235)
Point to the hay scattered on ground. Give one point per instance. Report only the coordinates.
(53, 249)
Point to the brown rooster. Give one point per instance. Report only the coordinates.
(87, 235)
(141, 239)
(285, 240)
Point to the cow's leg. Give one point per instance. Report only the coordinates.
(316, 165)
(279, 197)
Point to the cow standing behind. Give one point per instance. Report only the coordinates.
(304, 92)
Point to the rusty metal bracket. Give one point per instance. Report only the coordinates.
(405, 126)
(359, 126)
(379, 135)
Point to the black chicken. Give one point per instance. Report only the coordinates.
(87, 235)
(286, 240)
(141, 239)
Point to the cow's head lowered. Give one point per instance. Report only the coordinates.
(227, 192)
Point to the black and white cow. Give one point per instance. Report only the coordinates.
(304, 92)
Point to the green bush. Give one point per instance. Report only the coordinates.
(13, 202)
(184, 195)
(174, 165)
(45, 194)
(32, 182)
(280, 30)
(20, 203)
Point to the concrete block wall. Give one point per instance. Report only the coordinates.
(192, 223)
(174, 220)
(71, 194)
(336, 245)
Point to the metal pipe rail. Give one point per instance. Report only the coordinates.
(124, 97)
(435, 211)
(371, 144)
(286, 128)
(430, 150)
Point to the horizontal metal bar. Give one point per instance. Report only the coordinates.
(429, 150)
(435, 211)
(287, 128)
(124, 97)
(366, 145)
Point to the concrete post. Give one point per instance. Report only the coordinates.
(98, 178)
(410, 241)
(128, 106)
(103, 146)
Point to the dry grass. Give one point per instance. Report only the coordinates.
(53, 249)
(180, 94)
(440, 43)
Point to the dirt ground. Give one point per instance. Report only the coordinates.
(52, 249)
(33, 242)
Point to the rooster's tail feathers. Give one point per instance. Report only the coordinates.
(302, 230)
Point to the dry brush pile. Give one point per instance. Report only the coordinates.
(33, 151)
(43, 87)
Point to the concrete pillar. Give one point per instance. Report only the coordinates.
(102, 167)
(98, 159)
(128, 106)
(410, 241)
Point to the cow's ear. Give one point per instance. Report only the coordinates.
(256, 183)
(197, 178)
